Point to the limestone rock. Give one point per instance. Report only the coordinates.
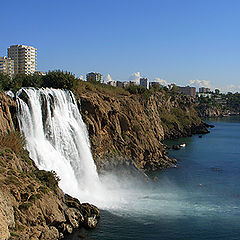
(50, 233)
(74, 216)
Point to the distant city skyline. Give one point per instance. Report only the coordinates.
(176, 41)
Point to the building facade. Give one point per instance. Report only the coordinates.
(123, 84)
(204, 90)
(209, 95)
(25, 58)
(94, 77)
(190, 91)
(7, 66)
(144, 82)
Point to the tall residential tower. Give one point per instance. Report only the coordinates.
(25, 58)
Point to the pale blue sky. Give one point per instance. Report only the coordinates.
(175, 40)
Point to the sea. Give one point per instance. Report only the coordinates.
(198, 199)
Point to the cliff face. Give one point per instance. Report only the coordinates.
(128, 129)
(205, 111)
(32, 206)
(7, 113)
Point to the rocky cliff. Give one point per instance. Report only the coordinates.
(128, 129)
(31, 204)
(205, 111)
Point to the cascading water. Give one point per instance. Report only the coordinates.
(57, 139)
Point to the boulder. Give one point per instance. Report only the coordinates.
(74, 217)
(50, 233)
(176, 147)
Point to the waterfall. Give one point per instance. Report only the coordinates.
(57, 138)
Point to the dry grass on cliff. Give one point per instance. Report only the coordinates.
(99, 88)
(12, 140)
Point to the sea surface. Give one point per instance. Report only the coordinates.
(198, 199)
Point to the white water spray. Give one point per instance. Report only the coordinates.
(57, 139)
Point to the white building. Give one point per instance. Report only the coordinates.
(7, 66)
(144, 82)
(25, 58)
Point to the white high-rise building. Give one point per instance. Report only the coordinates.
(25, 58)
(7, 66)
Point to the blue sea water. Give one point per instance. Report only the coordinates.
(199, 199)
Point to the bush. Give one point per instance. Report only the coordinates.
(50, 179)
(139, 90)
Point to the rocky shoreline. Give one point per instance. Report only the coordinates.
(128, 130)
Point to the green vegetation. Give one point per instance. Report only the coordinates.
(82, 86)
(139, 90)
(55, 79)
(233, 101)
(229, 102)
(4, 81)
(50, 179)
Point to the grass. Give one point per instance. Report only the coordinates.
(97, 87)
(12, 142)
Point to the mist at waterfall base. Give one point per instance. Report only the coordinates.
(197, 200)
(57, 140)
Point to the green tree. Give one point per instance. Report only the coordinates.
(5, 82)
(59, 79)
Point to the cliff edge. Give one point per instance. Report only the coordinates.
(128, 128)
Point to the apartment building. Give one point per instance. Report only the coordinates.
(7, 66)
(25, 58)
(94, 77)
(204, 90)
(190, 91)
(144, 82)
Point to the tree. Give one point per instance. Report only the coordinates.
(5, 81)
(59, 79)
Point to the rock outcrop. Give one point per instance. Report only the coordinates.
(128, 129)
(8, 118)
(205, 111)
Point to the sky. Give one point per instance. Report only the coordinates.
(187, 42)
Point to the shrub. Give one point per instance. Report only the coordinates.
(139, 90)
(50, 179)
